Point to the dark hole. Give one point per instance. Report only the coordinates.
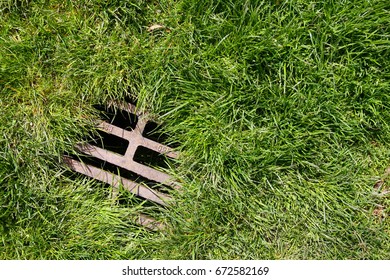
(149, 157)
(117, 117)
(110, 142)
(153, 132)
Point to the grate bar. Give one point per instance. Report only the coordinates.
(117, 181)
(124, 162)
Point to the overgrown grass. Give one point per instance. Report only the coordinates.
(281, 109)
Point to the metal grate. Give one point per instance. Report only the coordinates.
(137, 144)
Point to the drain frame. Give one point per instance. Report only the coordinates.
(136, 139)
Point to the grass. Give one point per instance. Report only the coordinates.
(281, 109)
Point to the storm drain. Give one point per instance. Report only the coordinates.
(126, 145)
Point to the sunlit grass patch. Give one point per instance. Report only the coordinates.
(281, 110)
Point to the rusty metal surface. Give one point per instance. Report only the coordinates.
(126, 161)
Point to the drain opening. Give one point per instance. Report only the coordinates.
(153, 132)
(110, 142)
(150, 158)
(118, 117)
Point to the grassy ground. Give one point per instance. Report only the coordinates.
(281, 109)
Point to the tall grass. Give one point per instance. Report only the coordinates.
(281, 109)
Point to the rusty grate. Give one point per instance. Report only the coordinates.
(128, 156)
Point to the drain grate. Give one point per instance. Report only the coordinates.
(132, 153)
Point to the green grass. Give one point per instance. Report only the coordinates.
(281, 109)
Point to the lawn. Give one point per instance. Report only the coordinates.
(280, 110)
